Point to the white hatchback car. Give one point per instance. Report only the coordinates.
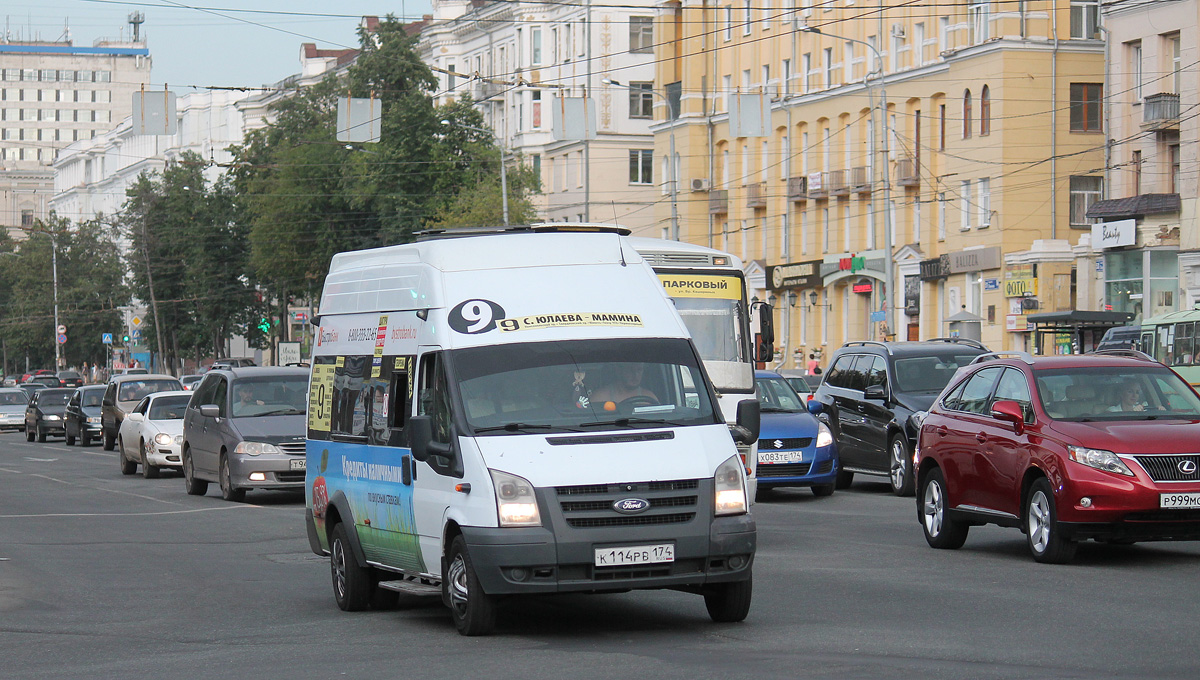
(152, 433)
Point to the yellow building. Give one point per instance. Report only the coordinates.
(992, 140)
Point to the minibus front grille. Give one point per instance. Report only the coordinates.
(629, 520)
(630, 487)
(593, 506)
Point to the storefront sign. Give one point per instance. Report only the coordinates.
(1020, 280)
(794, 275)
(852, 264)
(935, 268)
(1114, 234)
(991, 284)
(862, 287)
(1016, 323)
(977, 260)
(912, 295)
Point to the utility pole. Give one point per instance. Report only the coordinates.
(54, 268)
(158, 329)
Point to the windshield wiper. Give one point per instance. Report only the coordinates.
(776, 409)
(627, 422)
(515, 427)
(280, 412)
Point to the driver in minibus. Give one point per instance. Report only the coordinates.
(626, 385)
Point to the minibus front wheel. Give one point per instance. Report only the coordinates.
(729, 602)
(473, 610)
(351, 582)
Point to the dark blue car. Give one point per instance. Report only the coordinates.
(794, 448)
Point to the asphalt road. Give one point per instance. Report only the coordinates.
(106, 576)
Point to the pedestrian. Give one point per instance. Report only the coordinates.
(814, 366)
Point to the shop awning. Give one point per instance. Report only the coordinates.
(1134, 206)
(1080, 318)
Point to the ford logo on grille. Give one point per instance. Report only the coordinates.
(1187, 466)
(631, 506)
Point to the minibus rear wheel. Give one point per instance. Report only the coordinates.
(473, 610)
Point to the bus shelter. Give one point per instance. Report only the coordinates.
(1073, 332)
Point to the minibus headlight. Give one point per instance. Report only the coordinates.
(516, 503)
(256, 448)
(730, 496)
(824, 436)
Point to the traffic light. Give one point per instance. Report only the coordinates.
(264, 325)
(125, 338)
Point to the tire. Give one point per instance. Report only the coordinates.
(1045, 539)
(110, 441)
(843, 479)
(941, 531)
(473, 611)
(352, 584)
(41, 436)
(227, 491)
(729, 602)
(900, 466)
(85, 439)
(193, 486)
(128, 467)
(28, 434)
(70, 439)
(823, 490)
(148, 471)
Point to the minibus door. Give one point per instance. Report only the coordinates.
(436, 476)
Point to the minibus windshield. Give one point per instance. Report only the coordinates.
(581, 386)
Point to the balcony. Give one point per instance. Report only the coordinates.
(838, 182)
(1160, 112)
(718, 202)
(908, 173)
(860, 179)
(756, 195)
(797, 188)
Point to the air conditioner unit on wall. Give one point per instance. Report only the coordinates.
(898, 31)
(701, 184)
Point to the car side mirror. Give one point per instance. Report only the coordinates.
(420, 432)
(815, 407)
(749, 418)
(134, 417)
(875, 392)
(1009, 412)
(210, 410)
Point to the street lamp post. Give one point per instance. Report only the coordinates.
(54, 269)
(503, 173)
(670, 161)
(888, 265)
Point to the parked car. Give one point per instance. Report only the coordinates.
(133, 371)
(152, 433)
(245, 429)
(1066, 448)
(794, 448)
(804, 384)
(870, 394)
(83, 415)
(122, 393)
(45, 411)
(1121, 337)
(12, 380)
(232, 362)
(190, 381)
(70, 378)
(12, 408)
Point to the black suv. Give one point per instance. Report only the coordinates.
(870, 393)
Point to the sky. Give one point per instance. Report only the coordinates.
(219, 47)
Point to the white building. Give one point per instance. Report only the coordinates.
(568, 49)
(53, 94)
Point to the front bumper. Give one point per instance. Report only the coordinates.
(160, 455)
(1122, 507)
(51, 427)
(276, 471)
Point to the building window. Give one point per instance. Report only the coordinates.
(825, 230)
(1085, 19)
(641, 34)
(1084, 192)
(985, 203)
(26, 218)
(786, 74)
(729, 22)
(1173, 53)
(1135, 70)
(641, 166)
(964, 209)
(749, 18)
(1173, 170)
(941, 127)
(828, 67)
(978, 12)
(641, 100)
(966, 114)
(1137, 173)
(985, 112)
(535, 45)
(941, 217)
(1086, 99)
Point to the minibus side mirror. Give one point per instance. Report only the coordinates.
(747, 427)
(420, 432)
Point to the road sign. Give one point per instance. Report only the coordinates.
(137, 334)
(62, 328)
(62, 338)
(876, 317)
(106, 338)
(137, 321)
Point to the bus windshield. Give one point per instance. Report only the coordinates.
(581, 386)
(715, 327)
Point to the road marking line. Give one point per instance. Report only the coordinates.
(41, 460)
(131, 514)
(15, 472)
(100, 488)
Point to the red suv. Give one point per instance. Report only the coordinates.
(1103, 446)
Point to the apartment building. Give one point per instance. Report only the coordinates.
(518, 59)
(53, 94)
(971, 189)
(1145, 255)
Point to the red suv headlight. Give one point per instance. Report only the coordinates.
(1099, 459)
